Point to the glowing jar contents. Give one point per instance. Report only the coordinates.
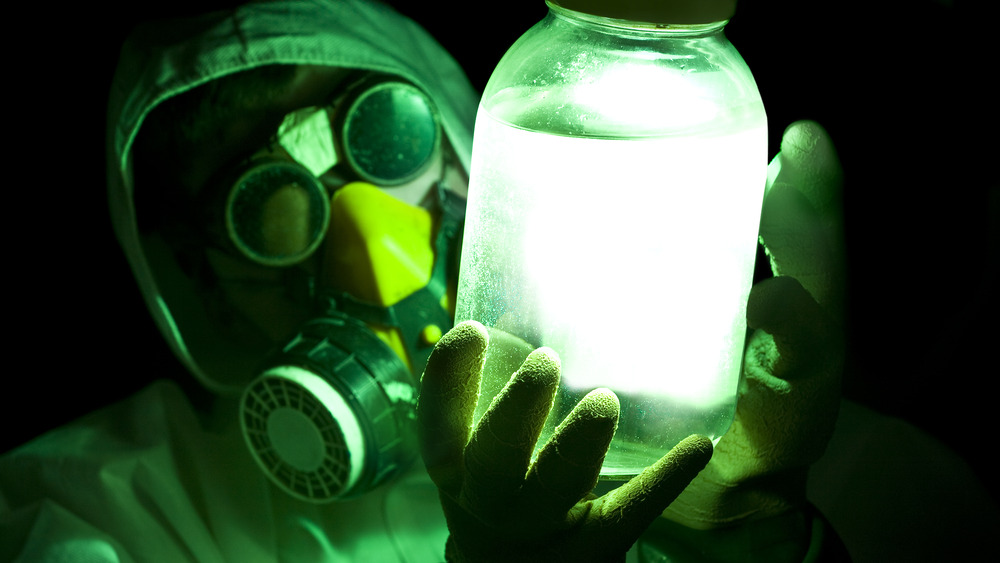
(616, 222)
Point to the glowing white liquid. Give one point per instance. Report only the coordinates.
(632, 258)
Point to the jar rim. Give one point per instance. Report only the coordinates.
(635, 26)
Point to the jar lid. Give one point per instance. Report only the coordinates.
(681, 12)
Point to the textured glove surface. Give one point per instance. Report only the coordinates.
(500, 505)
(793, 361)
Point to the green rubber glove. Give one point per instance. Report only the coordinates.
(502, 507)
(793, 362)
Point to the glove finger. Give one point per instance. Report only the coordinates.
(796, 241)
(568, 465)
(628, 510)
(800, 328)
(808, 161)
(497, 456)
(800, 224)
(448, 395)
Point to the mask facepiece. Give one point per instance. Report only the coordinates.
(332, 413)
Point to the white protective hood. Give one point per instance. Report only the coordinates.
(164, 60)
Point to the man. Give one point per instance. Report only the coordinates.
(158, 478)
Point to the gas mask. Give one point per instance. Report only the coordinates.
(330, 413)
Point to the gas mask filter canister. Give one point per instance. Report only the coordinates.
(332, 418)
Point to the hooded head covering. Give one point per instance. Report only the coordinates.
(159, 62)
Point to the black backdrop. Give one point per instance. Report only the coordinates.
(900, 85)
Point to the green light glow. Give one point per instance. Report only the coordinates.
(647, 102)
(664, 267)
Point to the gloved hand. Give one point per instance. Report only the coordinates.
(501, 509)
(793, 362)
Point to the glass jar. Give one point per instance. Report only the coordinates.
(617, 176)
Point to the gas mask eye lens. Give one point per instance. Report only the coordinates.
(277, 213)
(390, 133)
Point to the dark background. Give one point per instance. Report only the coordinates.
(903, 87)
